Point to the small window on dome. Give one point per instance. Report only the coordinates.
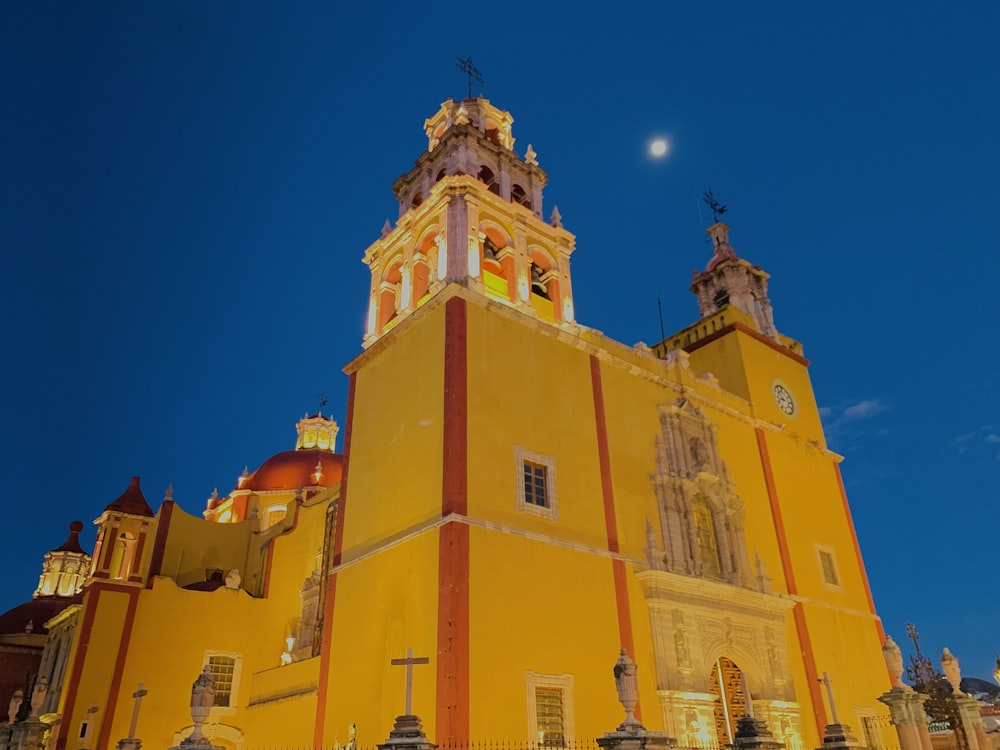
(721, 299)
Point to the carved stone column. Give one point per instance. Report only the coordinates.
(972, 720)
(906, 708)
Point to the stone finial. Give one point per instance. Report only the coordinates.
(556, 218)
(530, 156)
(627, 686)
(233, 579)
(894, 663)
(952, 672)
(15, 705)
(169, 493)
(386, 228)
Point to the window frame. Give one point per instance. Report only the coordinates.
(234, 687)
(829, 552)
(550, 510)
(562, 682)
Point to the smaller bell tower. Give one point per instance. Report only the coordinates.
(728, 280)
(122, 536)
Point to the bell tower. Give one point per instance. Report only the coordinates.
(470, 212)
(122, 532)
(728, 280)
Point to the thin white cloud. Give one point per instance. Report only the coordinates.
(862, 410)
(842, 422)
(993, 438)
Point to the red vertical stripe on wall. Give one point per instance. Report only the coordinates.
(618, 569)
(453, 540)
(808, 658)
(454, 482)
(331, 584)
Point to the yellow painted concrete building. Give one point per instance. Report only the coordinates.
(519, 497)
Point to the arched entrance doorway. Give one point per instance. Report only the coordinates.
(727, 683)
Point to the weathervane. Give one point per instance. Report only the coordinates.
(717, 208)
(322, 401)
(469, 68)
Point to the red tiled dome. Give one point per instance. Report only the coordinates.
(293, 469)
(37, 612)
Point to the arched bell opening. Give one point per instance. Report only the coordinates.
(489, 178)
(418, 198)
(497, 263)
(389, 295)
(520, 196)
(543, 286)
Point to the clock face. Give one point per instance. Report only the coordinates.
(783, 398)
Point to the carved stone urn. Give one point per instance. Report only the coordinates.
(894, 662)
(627, 686)
(949, 665)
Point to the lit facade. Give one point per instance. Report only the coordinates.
(518, 498)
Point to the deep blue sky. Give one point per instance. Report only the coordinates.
(186, 189)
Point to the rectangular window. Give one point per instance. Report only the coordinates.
(222, 668)
(550, 709)
(549, 717)
(534, 484)
(828, 564)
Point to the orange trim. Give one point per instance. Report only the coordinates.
(116, 679)
(812, 676)
(454, 481)
(624, 615)
(452, 719)
(90, 599)
(452, 726)
(160, 542)
(338, 532)
(610, 517)
(324, 662)
(857, 553)
(331, 585)
(743, 328)
(854, 538)
(603, 455)
(808, 657)
(779, 526)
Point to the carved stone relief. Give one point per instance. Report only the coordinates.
(701, 517)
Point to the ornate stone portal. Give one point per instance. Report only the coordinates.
(706, 609)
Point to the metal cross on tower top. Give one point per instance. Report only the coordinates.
(469, 68)
(408, 662)
(717, 208)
